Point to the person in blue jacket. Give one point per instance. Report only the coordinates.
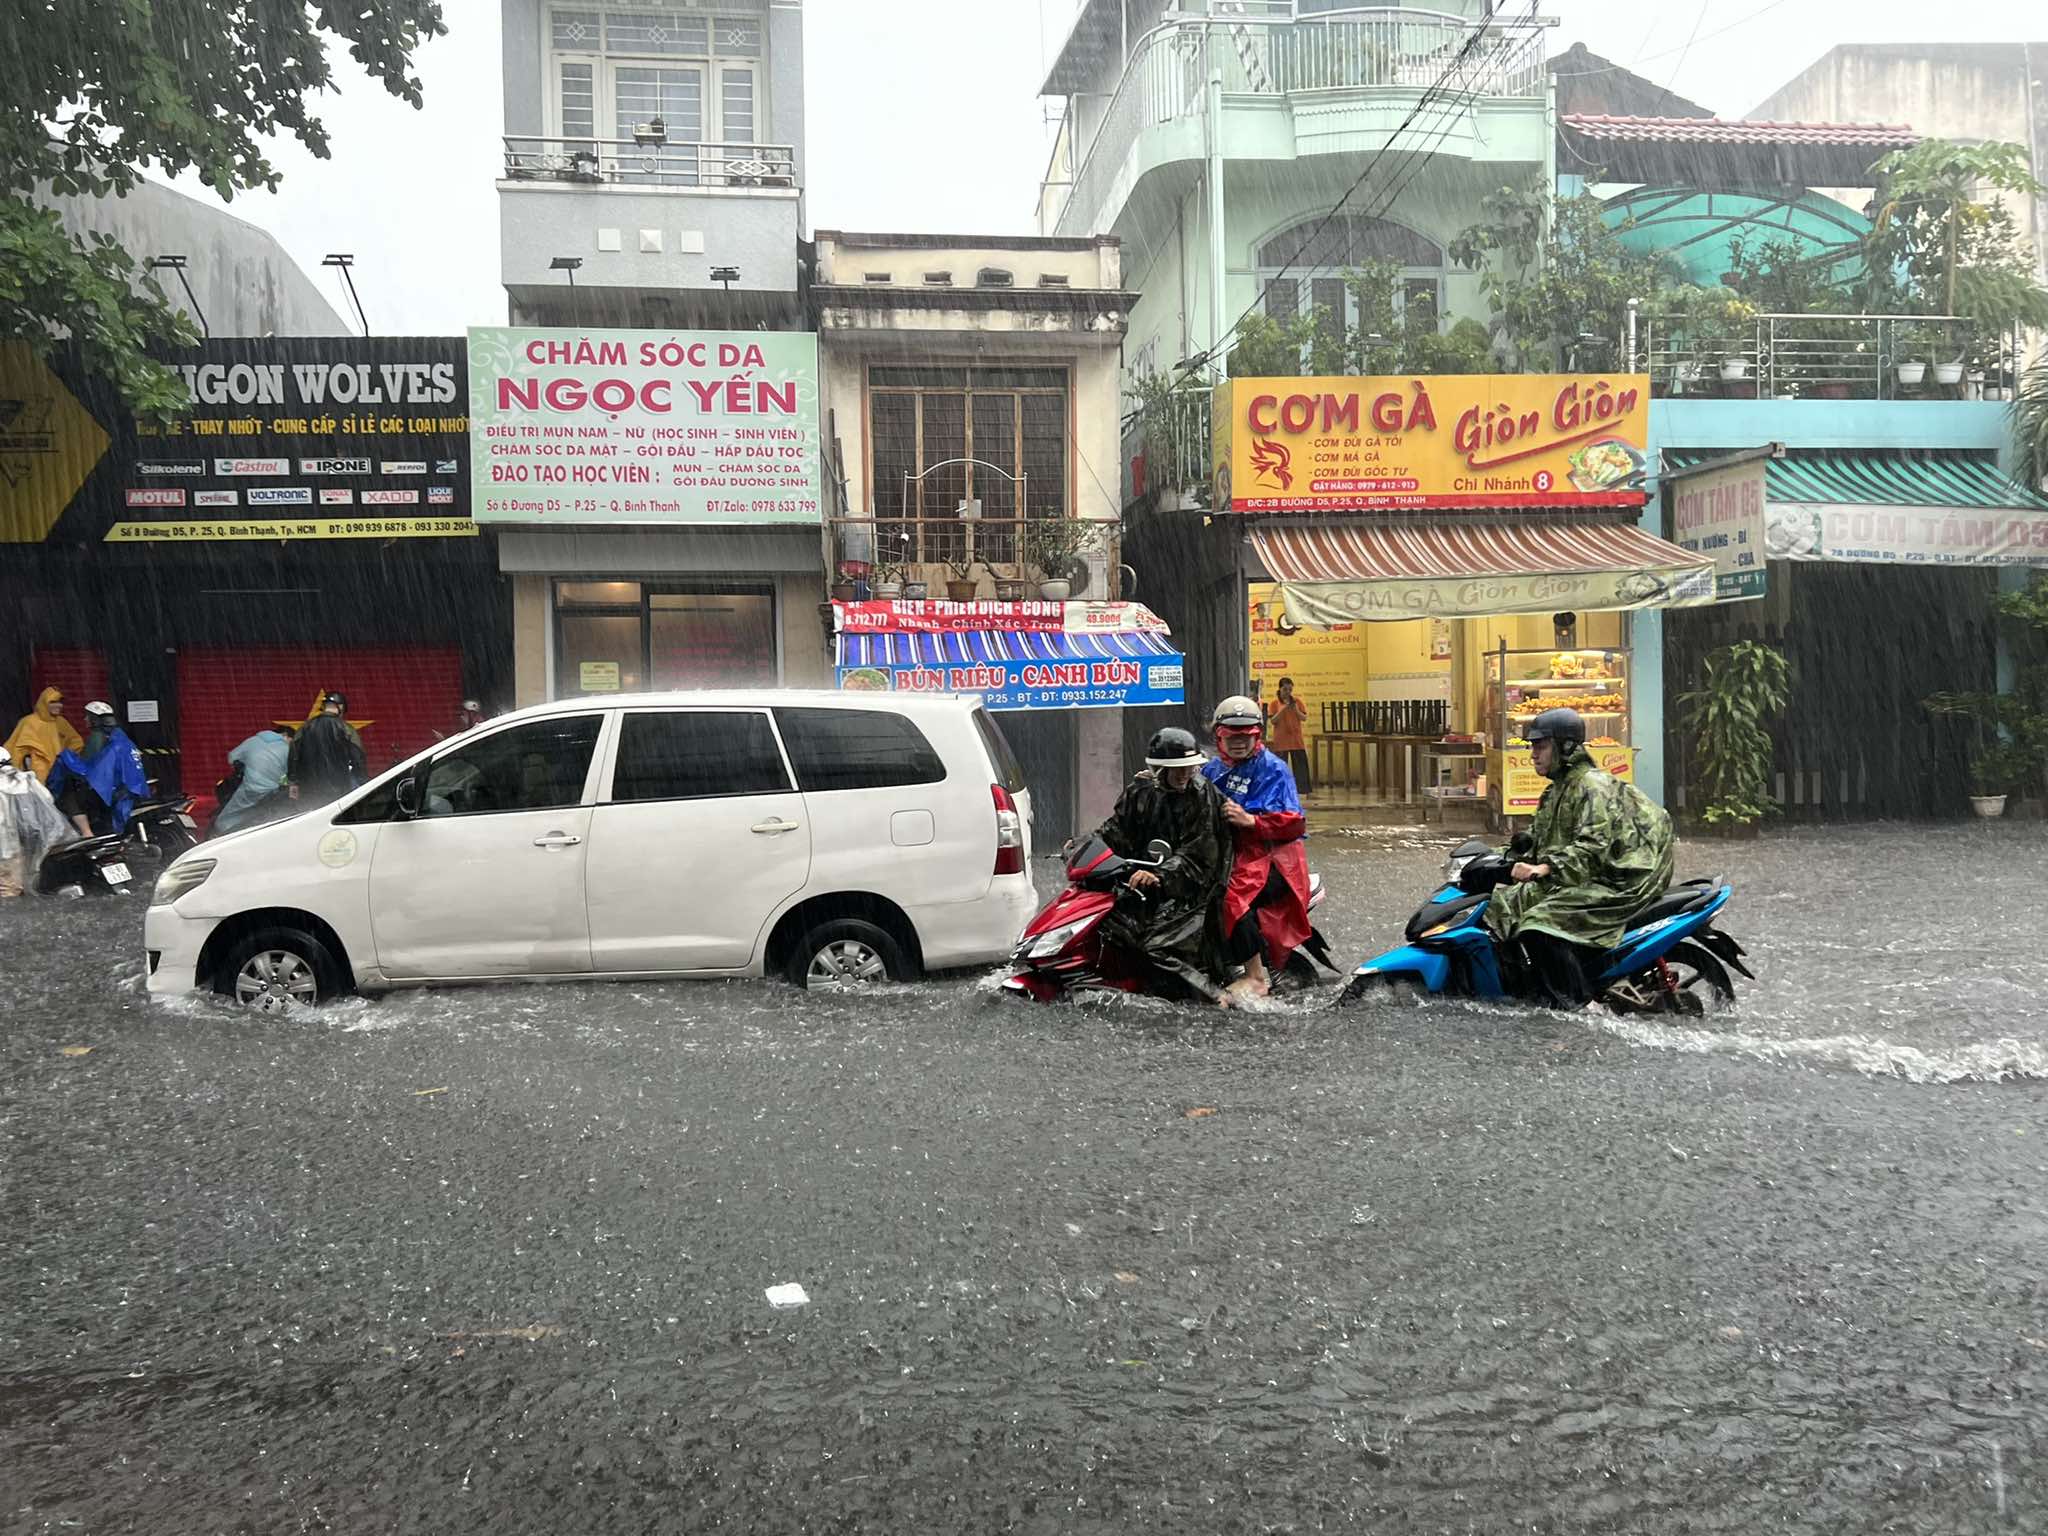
(259, 766)
(98, 784)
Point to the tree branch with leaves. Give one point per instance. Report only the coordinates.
(103, 90)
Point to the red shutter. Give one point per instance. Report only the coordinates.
(398, 699)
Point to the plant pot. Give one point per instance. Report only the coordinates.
(961, 591)
(1975, 378)
(1055, 591)
(1010, 591)
(1685, 374)
(888, 591)
(842, 591)
(1733, 368)
(1833, 391)
(1948, 373)
(916, 591)
(1912, 373)
(1988, 806)
(1738, 389)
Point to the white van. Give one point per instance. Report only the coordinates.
(832, 839)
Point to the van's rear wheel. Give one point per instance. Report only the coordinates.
(845, 955)
(279, 970)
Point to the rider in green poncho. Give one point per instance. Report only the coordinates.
(1602, 851)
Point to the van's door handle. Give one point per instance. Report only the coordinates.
(556, 840)
(770, 828)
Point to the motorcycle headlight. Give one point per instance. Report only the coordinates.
(183, 876)
(1053, 940)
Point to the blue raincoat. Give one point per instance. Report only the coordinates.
(263, 757)
(1264, 785)
(114, 773)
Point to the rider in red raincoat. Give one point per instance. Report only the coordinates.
(1265, 906)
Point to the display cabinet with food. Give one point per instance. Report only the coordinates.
(1520, 685)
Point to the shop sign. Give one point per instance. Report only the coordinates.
(1522, 786)
(1875, 535)
(1106, 684)
(330, 408)
(1025, 618)
(1444, 442)
(254, 530)
(659, 427)
(1719, 514)
(1339, 602)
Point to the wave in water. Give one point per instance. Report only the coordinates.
(1990, 1061)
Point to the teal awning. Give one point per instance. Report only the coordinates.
(1895, 509)
(1694, 228)
(1886, 479)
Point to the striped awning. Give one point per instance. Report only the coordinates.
(1340, 573)
(1887, 480)
(993, 646)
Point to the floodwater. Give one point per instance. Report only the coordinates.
(496, 1259)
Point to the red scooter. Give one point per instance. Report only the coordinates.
(1062, 953)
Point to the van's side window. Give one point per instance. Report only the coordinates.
(695, 754)
(539, 766)
(856, 749)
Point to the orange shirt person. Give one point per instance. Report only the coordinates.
(1284, 718)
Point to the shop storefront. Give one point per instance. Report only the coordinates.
(1433, 562)
(658, 498)
(301, 525)
(1875, 574)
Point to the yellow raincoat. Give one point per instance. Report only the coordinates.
(42, 733)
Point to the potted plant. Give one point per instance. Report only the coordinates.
(916, 591)
(1909, 364)
(1052, 544)
(845, 583)
(885, 581)
(963, 585)
(1744, 685)
(1994, 773)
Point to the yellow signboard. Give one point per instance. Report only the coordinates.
(598, 676)
(1446, 442)
(294, 528)
(1521, 786)
(49, 443)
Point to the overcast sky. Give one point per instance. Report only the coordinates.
(921, 116)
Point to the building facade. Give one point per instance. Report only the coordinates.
(652, 186)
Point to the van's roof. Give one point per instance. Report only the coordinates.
(757, 698)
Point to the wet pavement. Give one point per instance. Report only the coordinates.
(495, 1260)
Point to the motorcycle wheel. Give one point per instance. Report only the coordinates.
(1704, 985)
(1385, 991)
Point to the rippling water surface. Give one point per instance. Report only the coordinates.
(496, 1259)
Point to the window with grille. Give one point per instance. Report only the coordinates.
(1302, 271)
(617, 69)
(926, 423)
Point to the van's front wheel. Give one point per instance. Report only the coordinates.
(279, 970)
(845, 955)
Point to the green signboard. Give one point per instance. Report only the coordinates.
(704, 427)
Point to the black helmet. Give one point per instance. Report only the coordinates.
(337, 698)
(1566, 727)
(1172, 747)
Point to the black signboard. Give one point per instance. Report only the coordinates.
(300, 438)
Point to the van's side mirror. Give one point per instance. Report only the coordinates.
(407, 796)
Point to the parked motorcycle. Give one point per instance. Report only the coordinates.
(158, 830)
(1063, 953)
(1671, 960)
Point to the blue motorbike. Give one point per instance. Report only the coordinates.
(1671, 959)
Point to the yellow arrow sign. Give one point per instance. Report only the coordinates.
(49, 443)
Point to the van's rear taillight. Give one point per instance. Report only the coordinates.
(1009, 833)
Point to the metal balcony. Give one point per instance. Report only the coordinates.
(1322, 64)
(649, 162)
(1829, 357)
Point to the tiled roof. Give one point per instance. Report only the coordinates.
(1721, 130)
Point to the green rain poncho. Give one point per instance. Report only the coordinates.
(1609, 851)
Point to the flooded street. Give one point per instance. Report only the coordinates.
(496, 1260)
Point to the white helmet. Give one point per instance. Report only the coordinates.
(1237, 712)
(100, 707)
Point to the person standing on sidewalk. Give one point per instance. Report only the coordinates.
(1285, 718)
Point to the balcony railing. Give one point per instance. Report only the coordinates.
(1172, 434)
(648, 163)
(1268, 51)
(1830, 357)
